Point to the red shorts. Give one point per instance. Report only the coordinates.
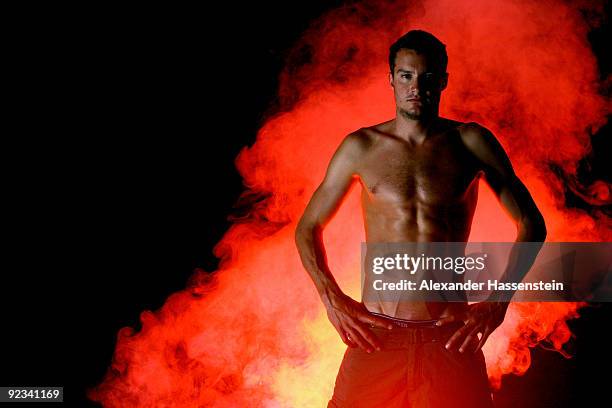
(413, 369)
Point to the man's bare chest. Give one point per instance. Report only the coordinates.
(439, 170)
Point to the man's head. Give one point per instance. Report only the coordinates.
(418, 61)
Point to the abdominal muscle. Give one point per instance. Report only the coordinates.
(414, 223)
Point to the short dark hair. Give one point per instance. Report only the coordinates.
(421, 42)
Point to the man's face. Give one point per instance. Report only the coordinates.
(416, 85)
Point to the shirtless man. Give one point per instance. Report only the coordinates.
(419, 175)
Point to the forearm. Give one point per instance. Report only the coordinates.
(309, 242)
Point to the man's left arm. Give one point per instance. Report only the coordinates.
(484, 317)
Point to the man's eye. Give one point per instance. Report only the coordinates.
(407, 76)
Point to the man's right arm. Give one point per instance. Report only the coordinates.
(348, 316)
(321, 208)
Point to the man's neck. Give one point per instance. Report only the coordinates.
(414, 130)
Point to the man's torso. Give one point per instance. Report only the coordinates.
(412, 192)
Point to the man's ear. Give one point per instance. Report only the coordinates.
(444, 82)
(391, 78)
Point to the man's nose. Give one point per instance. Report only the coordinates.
(415, 87)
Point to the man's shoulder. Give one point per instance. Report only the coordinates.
(367, 136)
(361, 139)
(474, 134)
(352, 147)
(483, 144)
(464, 128)
(472, 129)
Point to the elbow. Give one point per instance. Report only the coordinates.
(303, 231)
(541, 231)
(533, 229)
(299, 234)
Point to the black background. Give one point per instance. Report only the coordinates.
(122, 128)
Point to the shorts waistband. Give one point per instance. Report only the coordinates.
(406, 332)
(407, 323)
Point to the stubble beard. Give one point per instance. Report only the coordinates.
(412, 115)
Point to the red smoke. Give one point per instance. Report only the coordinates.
(254, 333)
